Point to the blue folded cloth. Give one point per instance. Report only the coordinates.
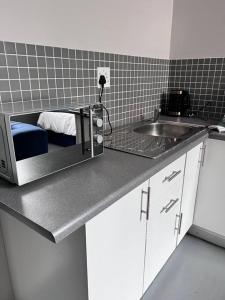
(29, 140)
(19, 127)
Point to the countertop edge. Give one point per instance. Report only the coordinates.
(36, 227)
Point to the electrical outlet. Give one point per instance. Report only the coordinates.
(106, 73)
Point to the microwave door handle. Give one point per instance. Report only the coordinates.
(187, 101)
(91, 133)
(82, 130)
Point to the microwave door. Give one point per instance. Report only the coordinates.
(40, 152)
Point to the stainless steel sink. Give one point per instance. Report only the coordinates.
(151, 139)
(170, 130)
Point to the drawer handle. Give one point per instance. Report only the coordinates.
(172, 176)
(168, 207)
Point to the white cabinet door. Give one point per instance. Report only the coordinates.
(210, 204)
(191, 175)
(163, 221)
(116, 247)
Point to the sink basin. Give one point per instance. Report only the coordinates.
(164, 130)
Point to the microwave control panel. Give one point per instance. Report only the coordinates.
(97, 125)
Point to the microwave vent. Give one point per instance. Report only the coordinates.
(3, 164)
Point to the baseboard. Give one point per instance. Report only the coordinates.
(207, 235)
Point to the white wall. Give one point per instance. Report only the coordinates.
(120, 26)
(198, 29)
(5, 283)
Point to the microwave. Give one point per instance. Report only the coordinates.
(38, 143)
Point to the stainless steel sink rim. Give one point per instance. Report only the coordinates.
(187, 124)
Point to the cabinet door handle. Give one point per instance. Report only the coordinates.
(168, 207)
(178, 228)
(202, 160)
(180, 223)
(146, 212)
(172, 176)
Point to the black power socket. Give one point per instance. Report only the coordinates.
(102, 80)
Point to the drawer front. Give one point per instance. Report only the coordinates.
(169, 177)
(161, 230)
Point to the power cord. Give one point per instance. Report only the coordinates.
(102, 82)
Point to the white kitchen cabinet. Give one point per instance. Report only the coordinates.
(191, 175)
(165, 198)
(210, 204)
(115, 242)
(118, 253)
(126, 252)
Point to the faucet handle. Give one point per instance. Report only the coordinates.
(157, 110)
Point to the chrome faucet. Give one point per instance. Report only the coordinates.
(156, 115)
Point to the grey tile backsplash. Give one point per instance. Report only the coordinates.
(39, 77)
(205, 81)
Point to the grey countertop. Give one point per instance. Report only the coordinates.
(216, 135)
(57, 205)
